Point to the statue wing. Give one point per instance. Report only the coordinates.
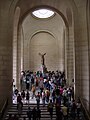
(44, 53)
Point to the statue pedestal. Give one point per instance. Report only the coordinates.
(44, 69)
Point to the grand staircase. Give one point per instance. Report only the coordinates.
(44, 113)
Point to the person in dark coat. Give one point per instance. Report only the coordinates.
(27, 96)
(23, 95)
(50, 109)
(38, 112)
(15, 117)
(58, 112)
(19, 100)
(34, 115)
(73, 110)
(10, 117)
(29, 113)
(38, 99)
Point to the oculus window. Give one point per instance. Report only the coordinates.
(43, 13)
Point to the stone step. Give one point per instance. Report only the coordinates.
(40, 119)
(44, 113)
(25, 111)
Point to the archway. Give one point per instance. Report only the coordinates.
(66, 34)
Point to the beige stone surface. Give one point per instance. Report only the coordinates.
(68, 32)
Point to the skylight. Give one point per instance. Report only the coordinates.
(43, 13)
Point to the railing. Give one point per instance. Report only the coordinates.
(3, 109)
(86, 114)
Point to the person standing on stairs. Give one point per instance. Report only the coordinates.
(58, 111)
(65, 112)
(34, 113)
(43, 98)
(38, 99)
(50, 108)
(29, 113)
(27, 97)
(38, 112)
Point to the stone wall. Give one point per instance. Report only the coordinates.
(79, 32)
(43, 38)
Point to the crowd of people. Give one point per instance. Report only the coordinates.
(52, 90)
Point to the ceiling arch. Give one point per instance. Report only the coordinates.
(47, 7)
(44, 32)
(28, 6)
(57, 6)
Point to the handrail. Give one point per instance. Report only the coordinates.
(3, 108)
(86, 112)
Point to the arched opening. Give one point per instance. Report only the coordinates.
(75, 15)
(45, 45)
(33, 38)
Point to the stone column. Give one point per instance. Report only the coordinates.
(69, 55)
(15, 48)
(19, 51)
(88, 34)
(70, 60)
(65, 52)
